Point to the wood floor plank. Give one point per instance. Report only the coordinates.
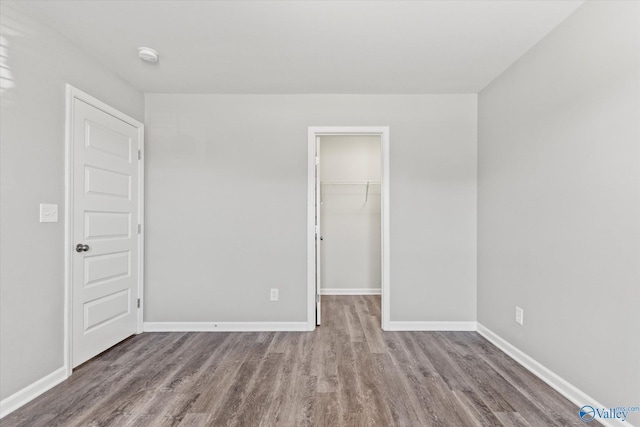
(346, 373)
(376, 409)
(440, 406)
(229, 407)
(353, 323)
(124, 386)
(324, 365)
(191, 366)
(465, 372)
(371, 328)
(477, 408)
(530, 386)
(127, 399)
(349, 391)
(306, 385)
(161, 398)
(258, 396)
(286, 387)
(195, 420)
(172, 414)
(412, 375)
(512, 419)
(328, 410)
(88, 385)
(220, 377)
(396, 393)
(373, 305)
(279, 343)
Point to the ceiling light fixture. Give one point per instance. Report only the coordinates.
(147, 54)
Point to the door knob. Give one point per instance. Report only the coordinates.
(82, 248)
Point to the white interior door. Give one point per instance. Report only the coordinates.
(105, 209)
(318, 234)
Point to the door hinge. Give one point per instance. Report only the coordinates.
(317, 160)
(317, 298)
(138, 302)
(139, 228)
(139, 154)
(316, 230)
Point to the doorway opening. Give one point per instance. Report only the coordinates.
(348, 216)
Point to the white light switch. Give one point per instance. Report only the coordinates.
(48, 212)
(519, 316)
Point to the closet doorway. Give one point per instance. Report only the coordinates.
(348, 239)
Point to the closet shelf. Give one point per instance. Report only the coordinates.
(367, 183)
(349, 183)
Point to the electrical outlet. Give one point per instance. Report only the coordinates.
(274, 294)
(519, 315)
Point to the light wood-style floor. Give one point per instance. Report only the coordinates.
(346, 373)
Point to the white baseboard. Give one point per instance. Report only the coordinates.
(224, 326)
(350, 291)
(562, 386)
(30, 392)
(429, 326)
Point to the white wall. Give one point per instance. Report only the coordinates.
(559, 202)
(32, 116)
(350, 218)
(227, 195)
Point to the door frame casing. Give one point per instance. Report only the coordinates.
(383, 133)
(73, 93)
